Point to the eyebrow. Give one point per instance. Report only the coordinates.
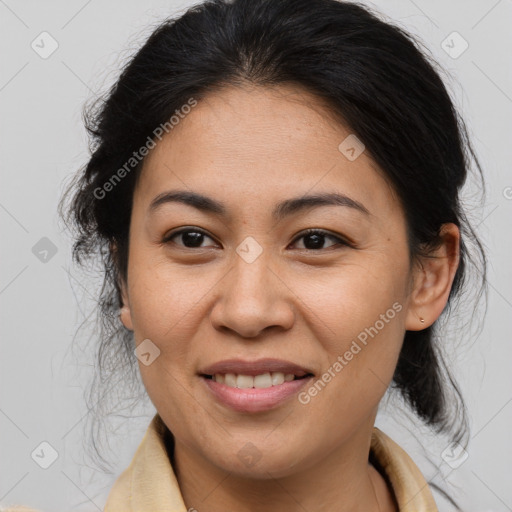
(280, 211)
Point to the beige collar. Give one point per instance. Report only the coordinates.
(149, 483)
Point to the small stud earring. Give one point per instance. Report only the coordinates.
(422, 320)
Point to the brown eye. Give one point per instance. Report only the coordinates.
(190, 238)
(314, 239)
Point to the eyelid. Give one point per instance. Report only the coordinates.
(343, 241)
(184, 229)
(318, 231)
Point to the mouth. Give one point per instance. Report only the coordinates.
(256, 386)
(261, 381)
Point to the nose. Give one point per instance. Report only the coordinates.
(253, 298)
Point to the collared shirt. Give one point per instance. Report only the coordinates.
(149, 483)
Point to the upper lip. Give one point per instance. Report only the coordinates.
(253, 368)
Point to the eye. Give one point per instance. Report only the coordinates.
(314, 239)
(190, 238)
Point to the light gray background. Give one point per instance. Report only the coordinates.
(42, 303)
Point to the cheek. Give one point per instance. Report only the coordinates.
(164, 297)
(353, 297)
(168, 304)
(357, 314)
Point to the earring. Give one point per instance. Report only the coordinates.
(422, 320)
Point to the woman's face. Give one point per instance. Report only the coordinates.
(235, 277)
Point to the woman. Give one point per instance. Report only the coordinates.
(274, 188)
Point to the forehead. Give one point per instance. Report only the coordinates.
(264, 143)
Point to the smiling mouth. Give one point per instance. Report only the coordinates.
(262, 381)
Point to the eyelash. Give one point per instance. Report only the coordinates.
(311, 231)
(315, 231)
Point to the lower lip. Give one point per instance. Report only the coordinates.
(255, 399)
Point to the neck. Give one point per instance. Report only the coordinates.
(342, 481)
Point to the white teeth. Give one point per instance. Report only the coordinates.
(265, 380)
(244, 381)
(277, 378)
(230, 380)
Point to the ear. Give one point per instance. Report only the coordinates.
(125, 311)
(433, 277)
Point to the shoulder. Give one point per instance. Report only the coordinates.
(410, 488)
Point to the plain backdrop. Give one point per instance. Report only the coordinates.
(44, 298)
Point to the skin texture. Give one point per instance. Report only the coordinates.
(250, 148)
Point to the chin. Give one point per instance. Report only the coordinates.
(257, 461)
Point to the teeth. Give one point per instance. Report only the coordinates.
(244, 381)
(265, 380)
(230, 380)
(277, 378)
